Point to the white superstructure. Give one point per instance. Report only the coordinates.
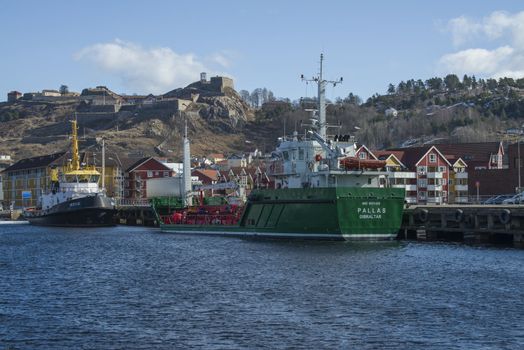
(316, 160)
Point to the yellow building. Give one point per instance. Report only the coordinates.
(458, 182)
(25, 181)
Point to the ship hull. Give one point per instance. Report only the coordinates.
(351, 214)
(90, 211)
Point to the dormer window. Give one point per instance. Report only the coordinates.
(432, 158)
(362, 155)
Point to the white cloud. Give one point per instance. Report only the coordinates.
(462, 29)
(155, 70)
(477, 61)
(505, 60)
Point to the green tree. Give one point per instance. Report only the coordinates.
(434, 83)
(391, 89)
(452, 82)
(467, 82)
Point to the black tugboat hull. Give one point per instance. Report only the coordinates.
(91, 211)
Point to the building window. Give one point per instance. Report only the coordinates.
(422, 183)
(422, 195)
(362, 155)
(442, 169)
(166, 173)
(149, 173)
(300, 154)
(450, 182)
(422, 170)
(432, 158)
(156, 173)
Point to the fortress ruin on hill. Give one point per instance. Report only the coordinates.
(102, 100)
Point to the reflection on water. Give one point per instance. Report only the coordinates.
(130, 288)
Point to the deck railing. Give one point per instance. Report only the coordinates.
(131, 202)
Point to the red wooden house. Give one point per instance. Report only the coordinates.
(432, 173)
(138, 171)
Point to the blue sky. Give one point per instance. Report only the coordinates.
(156, 46)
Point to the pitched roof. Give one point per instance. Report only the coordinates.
(384, 155)
(138, 162)
(130, 163)
(472, 153)
(34, 162)
(210, 173)
(411, 155)
(364, 148)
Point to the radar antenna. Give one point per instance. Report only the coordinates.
(321, 83)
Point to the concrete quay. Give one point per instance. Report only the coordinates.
(480, 224)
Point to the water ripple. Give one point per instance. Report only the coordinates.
(131, 288)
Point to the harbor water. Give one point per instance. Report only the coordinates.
(137, 288)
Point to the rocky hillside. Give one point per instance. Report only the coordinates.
(411, 113)
(439, 110)
(149, 125)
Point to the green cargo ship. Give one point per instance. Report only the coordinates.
(323, 190)
(342, 213)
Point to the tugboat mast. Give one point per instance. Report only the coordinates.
(321, 84)
(75, 162)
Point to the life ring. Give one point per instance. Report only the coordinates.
(505, 216)
(459, 215)
(423, 215)
(318, 158)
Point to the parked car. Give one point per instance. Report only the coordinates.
(498, 199)
(516, 199)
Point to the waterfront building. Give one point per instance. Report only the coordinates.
(364, 153)
(138, 171)
(399, 175)
(25, 181)
(458, 181)
(478, 155)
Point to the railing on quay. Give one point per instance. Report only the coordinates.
(201, 219)
(130, 202)
(467, 200)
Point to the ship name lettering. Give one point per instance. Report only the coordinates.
(371, 210)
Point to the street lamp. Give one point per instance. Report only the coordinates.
(518, 155)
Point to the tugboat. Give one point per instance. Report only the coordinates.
(323, 191)
(75, 199)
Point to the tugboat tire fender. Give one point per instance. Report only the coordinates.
(423, 215)
(505, 216)
(459, 215)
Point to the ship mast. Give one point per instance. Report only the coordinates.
(321, 84)
(321, 101)
(75, 162)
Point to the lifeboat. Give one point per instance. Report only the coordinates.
(354, 163)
